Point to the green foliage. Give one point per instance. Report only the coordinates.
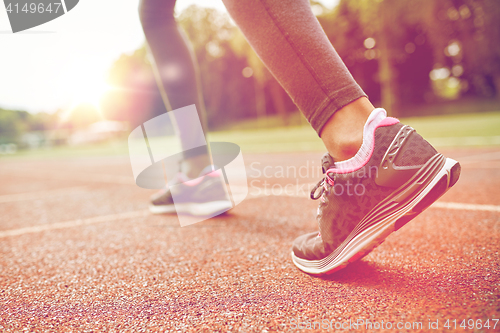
(12, 124)
(413, 37)
(222, 53)
(15, 123)
(208, 30)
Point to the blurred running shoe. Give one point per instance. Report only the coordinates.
(395, 175)
(202, 196)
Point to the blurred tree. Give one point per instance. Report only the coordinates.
(218, 46)
(464, 35)
(403, 40)
(12, 125)
(43, 121)
(385, 24)
(346, 33)
(256, 69)
(264, 81)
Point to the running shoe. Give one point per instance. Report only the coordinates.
(395, 175)
(202, 196)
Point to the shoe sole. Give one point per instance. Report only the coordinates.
(406, 203)
(196, 209)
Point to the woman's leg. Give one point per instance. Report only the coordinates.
(290, 41)
(177, 74)
(387, 173)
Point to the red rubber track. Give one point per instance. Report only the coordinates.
(98, 270)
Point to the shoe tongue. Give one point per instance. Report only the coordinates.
(327, 162)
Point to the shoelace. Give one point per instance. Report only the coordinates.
(322, 186)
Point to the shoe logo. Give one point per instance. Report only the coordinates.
(24, 14)
(156, 151)
(388, 173)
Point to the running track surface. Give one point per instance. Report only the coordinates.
(79, 252)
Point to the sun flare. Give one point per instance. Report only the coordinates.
(88, 90)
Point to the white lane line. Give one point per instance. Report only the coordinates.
(74, 223)
(491, 156)
(482, 166)
(39, 194)
(465, 141)
(75, 176)
(464, 206)
(91, 178)
(299, 193)
(144, 213)
(438, 204)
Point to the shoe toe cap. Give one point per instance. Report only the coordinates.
(163, 197)
(309, 247)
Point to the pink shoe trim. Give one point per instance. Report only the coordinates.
(216, 173)
(330, 181)
(195, 181)
(388, 121)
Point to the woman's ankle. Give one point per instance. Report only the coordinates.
(192, 166)
(343, 133)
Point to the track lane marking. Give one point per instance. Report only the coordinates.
(145, 212)
(74, 223)
(38, 194)
(438, 204)
(464, 206)
(490, 156)
(79, 176)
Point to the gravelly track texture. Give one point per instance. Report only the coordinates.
(233, 272)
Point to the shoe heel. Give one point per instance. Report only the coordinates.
(454, 174)
(442, 186)
(439, 189)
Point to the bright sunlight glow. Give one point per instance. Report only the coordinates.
(85, 89)
(89, 92)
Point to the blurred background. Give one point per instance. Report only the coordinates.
(416, 58)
